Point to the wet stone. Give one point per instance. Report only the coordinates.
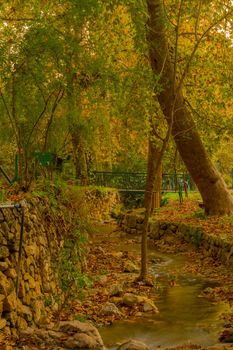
(109, 309)
(133, 345)
(116, 290)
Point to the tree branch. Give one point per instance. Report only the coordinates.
(10, 117)
(55, 104)
(196, 46)
(39, 117)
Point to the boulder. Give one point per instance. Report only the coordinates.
(149, 306)
(116, 300)
(218, 347)
(132, 221)
(116, 290)
(82, 341)
(154, 230)
(82, 335)
(133, 231)
(170, 238)
(146, 305)
(140, 219)
(163, 226)
(110, 309)
(173, 228)
(226, 336)
(117, 255)
(130, 267)
(133, 345)
(130, 299)
(102, 280)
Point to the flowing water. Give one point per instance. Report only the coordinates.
(184, 315)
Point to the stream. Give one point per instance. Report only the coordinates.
(184, 315)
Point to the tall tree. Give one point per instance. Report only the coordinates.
(216, 197)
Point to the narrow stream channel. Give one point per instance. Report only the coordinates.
(184, 315)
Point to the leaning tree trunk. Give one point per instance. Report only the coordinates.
(216, 197)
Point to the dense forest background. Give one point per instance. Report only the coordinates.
(76, 81)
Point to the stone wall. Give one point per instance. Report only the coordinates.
(45, 227)
(216, 247)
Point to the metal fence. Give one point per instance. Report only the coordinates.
(137, 181)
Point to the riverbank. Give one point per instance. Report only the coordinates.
(112, 254)
(112, 298)
(113, 265)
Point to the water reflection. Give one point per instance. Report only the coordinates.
(184, 316)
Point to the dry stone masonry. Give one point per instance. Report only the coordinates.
(66, 335)
(217, 247)
(44, 232)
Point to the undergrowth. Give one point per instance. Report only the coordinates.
(70, 265)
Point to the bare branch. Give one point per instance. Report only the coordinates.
(50, 121)
(40, 116)
(189, 34)
(165, 11)
(154, 132)
(12, 121)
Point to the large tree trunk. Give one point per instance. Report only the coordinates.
(216, 197)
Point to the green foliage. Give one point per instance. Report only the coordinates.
(81, 318)
(132, 199)
(3, 193)
(227, 219)
(69, 265)
(164, 201)
(199, 214)
(96, 53)
(48, 301)
(101, 192)
(197, 238)
(38, 193)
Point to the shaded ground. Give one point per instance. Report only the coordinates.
(190, 212)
